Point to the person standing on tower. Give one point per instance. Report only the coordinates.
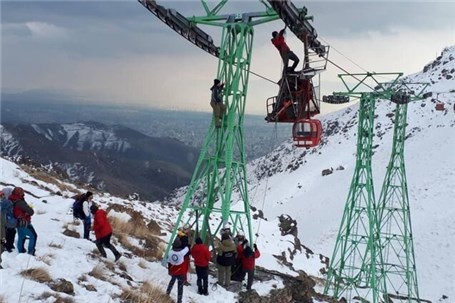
(285, 52)
(216, 102)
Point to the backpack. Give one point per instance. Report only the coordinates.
(227, 258)
(78, 211)
(8, 207)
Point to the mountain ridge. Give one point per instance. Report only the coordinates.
(113, 158)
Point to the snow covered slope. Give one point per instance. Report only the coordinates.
(288, 181)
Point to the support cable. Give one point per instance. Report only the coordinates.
(346, 57)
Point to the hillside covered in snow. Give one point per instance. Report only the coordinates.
(296, 211)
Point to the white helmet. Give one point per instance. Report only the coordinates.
(240, 233)
(186, 226)
(226, 226)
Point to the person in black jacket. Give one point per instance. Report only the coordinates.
(216, 102)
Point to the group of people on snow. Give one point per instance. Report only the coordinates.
(16, 218)
(83, 209)
(235, 259)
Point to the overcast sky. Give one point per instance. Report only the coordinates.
(118, 52)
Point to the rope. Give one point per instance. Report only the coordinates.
(265, 78)
(345, 71)
(272, 147)
(346, 57)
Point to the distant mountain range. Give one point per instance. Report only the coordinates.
(186, 126)
(115, 158)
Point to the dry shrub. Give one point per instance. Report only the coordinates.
(38, 274)
(142, 264)
(147, 293)
(47, 177)
(47, 258)
(82, 278)
(98, 273)
(64, 300)
(122, 266)
(45, 295)
(109, 265)
(152, 247)
(58, 299)
(55, 245)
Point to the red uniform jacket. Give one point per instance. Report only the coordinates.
(201, 255)
(280, 44)
(249, 263)
(177, 265)
(101, 224)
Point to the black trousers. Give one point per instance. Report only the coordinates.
(202, 279)
(87, 226)
(10, 234)
(180, 279)
(290, 56)
(250, 278)
(106, 242)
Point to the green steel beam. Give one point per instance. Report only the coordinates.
(399, 272)
(352, 270)
(221, 166)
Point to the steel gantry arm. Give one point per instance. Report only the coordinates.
(298, 23)
(182, 26)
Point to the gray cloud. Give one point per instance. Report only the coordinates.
(47, 44)
(347, 19)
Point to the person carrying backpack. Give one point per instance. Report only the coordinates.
(225, 259)
(8, 219)
(23, 213)
(81, 210)
(103, 232)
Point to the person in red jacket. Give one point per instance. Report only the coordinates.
(23, 213)
(285, 52)
(103, 232)
(248, 263)
(202, 257)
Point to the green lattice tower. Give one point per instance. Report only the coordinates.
(355, 270)
(394, 216)
(221, 167)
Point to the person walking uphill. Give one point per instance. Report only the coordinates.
(202, 256)
(103, 232)
(23, 213)
(176, 267)
(81, 210)
(216, 102)
(285, 52)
